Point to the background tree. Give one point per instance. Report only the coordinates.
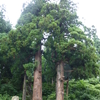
(5, 73)
(5, 26)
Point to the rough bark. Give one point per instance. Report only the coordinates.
(24, 88)
(37, 85)
(60, 82)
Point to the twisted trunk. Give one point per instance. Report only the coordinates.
(60, 82)
(37, 85)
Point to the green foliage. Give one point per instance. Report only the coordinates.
(78, 90)
(29, 70)
(84, 90)
(97, 86)
(94, 81)
(48, 70)
(5, 97)
(52, 96)
(48, 88)
(24, 19)
(9, 88)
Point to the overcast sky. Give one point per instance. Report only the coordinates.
(88, 11)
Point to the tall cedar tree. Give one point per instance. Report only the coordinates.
(24, 45)
(31, 17)
(67, 44)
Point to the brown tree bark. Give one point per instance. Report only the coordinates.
(60, 82)
(24, 88)
(37, 85)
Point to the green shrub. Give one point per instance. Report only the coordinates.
(84, 89)
(52, 96)
(97, 86)
(94, 81)
(7, 88)
(86, 96)
(47, 89)
(5, 97)
(72, 96)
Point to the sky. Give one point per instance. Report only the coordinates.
(13, 9)
(88, 11)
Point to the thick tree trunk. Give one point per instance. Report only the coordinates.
(37, 86)
(24, 88)
(67, 87)
(60, 82)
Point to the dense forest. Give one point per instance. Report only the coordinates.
(49, 55)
